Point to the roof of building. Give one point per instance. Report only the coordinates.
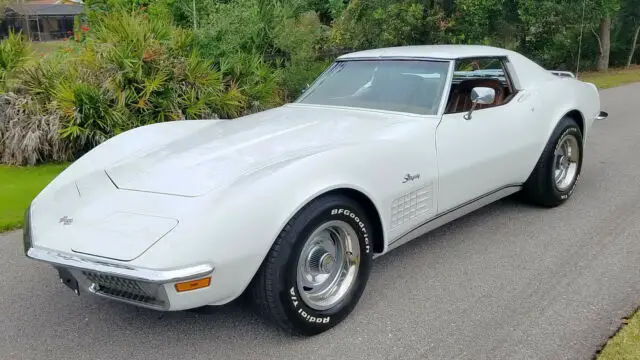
(51, 2)
(430, 51)
(42, 9)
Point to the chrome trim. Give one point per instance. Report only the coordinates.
(361, 109)
(155, 291)
(328, 265)
(320, 78)
(562, 73)
(602, 115)
(59, 259)
(26, 230)
(513, 75)
(152, 306)
(565, 162)
(446, 91)
(453, 214)
(395, 57)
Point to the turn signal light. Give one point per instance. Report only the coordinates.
(193, 284)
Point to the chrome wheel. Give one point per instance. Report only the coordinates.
(565, 164)
(328, 265)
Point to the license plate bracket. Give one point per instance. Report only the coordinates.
(67, 279)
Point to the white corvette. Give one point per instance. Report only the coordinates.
(292, 204)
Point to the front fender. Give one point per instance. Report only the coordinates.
(235, 230)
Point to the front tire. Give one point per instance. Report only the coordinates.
(556, 174)
(318, 267)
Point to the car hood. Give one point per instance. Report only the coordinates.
(216, 155)
(85, 210)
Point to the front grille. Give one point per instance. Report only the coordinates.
(114, 282)
(127, 295)
(124, 289)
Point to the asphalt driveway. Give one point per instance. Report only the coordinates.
(507, 282)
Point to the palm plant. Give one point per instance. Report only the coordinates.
(29, 132)
(15, 53)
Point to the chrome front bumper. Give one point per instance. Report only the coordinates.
(137, 286)
(116, 281)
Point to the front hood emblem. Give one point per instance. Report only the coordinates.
(66, 220)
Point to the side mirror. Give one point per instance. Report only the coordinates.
(482, 96)
(603, 115)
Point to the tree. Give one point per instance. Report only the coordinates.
(602, 12)
(368, 24)
(630, 10)
(633, 46)
(604, 42)
(3, 6)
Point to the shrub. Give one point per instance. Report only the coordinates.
(371, 24)
(128, 70)
(302, 39)
(139, 71)
(29, 133)
(287, 34)
(254, 80)
(127, 67)
(42, 78)
(15, 53)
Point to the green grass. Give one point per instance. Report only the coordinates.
(625, 345)
(47, 47)
(18, 186)
(612, 78)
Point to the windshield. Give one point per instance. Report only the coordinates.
(412, 86)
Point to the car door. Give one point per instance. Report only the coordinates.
(485, 153)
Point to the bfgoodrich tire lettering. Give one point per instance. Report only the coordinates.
(542, 187)
(276, 288)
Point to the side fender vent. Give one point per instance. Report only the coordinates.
(411, 205)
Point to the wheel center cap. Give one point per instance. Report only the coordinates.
(327, 262)
(564, 162)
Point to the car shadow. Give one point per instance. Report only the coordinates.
(227, 329)
(241, 313)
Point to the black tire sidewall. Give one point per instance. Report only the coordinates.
(303, 317)
(567, 127)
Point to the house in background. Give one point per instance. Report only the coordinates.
(41, 20)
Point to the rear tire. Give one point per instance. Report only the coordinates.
(556, 174)
(298, 286)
